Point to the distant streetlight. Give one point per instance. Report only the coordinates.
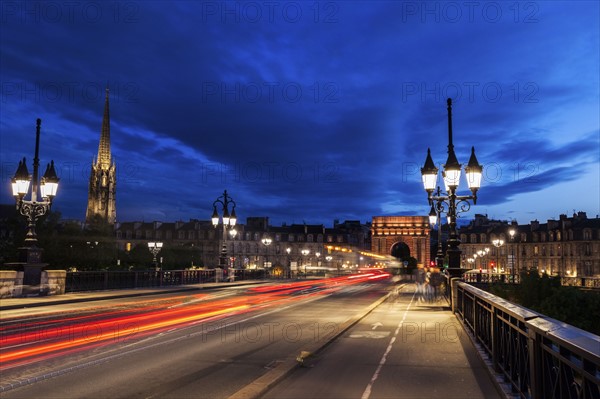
(304, 253)
(154, 248)
(498, 243)
(233, 233)
(451, 203)
(483, 262)
(228, 221)
(266, 242)
(511, 233)
(435, 216)
(33, 208)
(288, 250)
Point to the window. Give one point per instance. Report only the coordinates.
(191, 235)
(309, 238)
(291, 238)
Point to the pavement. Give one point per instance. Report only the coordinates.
(89, 296)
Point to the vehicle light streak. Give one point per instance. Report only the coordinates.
(31, 342)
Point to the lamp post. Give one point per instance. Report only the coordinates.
(451, 203)
(304, 253)
(435, 216)
(318, 257)
(288, 250)
(266, 242)
(498, 243)
(154, 248)
(33, 209)
(511, 233)
(233, 233)
(227, 220)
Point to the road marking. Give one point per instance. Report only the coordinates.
(367, 393)
(375, 325)
(370, 334)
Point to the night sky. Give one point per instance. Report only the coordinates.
(306, 111)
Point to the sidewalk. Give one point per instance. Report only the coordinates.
(37, 301)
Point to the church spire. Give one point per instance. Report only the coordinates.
(102, 192)
(104, 146)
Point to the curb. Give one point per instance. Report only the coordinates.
(268, 380)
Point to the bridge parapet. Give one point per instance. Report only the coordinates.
(538, 356)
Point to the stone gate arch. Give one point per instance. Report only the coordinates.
(412, 232)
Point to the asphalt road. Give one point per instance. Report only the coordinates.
(171, 346)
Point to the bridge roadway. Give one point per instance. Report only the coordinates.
(405, 348)
(398, 346)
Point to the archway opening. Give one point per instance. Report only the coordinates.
(400, 251)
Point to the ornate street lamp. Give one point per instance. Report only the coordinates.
(154, 248)
(34, 208)
(228, 221)
(451, 203)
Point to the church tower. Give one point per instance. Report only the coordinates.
(101, 206)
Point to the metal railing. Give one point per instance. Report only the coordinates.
(111, 280)
(538, 356)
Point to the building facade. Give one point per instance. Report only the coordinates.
(102, 191)
(569, 246)
(292, 248)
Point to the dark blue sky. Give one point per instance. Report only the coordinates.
(306, 111)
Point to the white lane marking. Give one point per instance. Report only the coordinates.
(367, 392)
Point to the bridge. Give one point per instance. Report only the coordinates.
(385, 340)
